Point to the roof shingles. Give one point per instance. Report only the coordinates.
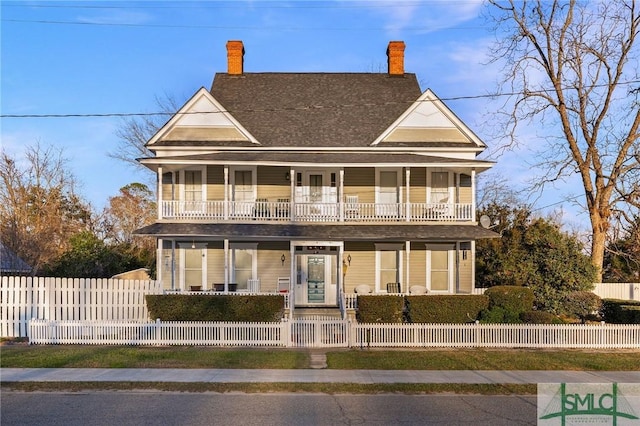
(316, 109)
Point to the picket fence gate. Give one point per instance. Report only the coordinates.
(26, 298)
(331, 333)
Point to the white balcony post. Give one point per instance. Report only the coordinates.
(292, 192)
(225, 208)
(407, 199)
(473, 194)
(160, 204)
(341, 195)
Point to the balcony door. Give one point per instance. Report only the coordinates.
(440, 188)
(193, 190)
(387, 193)
(243, 193)
(316, 194)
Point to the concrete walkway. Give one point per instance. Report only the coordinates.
(310, 376)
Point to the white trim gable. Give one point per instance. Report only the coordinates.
(203, 118)
(430, 117)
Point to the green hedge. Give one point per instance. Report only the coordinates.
(380, 309)
(208, 307)
(616, 311)
(454, 309)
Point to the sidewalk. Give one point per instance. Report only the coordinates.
(311, 376)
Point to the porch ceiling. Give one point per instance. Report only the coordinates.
(288, 232)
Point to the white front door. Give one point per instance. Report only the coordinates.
(315, 280)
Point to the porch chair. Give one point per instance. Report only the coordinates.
(351, 207)
(282, 209)
(418, 289)
(363, 289)
(283, 284)
(394, 288)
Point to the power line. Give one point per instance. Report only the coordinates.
(239, 5)
(219, 27)
(300, 108)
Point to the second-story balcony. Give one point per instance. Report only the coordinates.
(283, 210)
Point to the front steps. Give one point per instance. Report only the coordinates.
(320, 312)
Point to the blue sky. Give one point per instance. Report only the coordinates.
(117, 57)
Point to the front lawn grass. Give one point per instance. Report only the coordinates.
(22, 356)
(485, 359)
(148, 357)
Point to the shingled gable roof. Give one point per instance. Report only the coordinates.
(315, 109)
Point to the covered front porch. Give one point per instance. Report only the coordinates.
(322, 266)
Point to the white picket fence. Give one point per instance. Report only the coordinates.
(26, 298)
(336, 333)
(624, 291)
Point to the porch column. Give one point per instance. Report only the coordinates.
(407, 249)
(159, 259)
(407, 199)
(173, 264)
(292, 192)
(160, 206)
(292, 277)
(473, 194)
(226, 265)
(341, 195)
(226, 193)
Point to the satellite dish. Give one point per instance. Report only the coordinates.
(485, 221)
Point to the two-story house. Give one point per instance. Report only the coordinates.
(315, 184)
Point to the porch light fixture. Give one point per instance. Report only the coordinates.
(287, 176)
(283, 258)
(193, 244)
(349, 259)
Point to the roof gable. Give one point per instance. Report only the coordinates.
(202, 118)
(428, 121)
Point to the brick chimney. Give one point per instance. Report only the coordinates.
(395, 57)
(235, 57)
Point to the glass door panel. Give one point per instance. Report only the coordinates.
(315, 279)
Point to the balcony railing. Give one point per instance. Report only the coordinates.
(284, 211)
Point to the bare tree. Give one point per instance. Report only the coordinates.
(134, 132)
(572, 70)
(39, 208)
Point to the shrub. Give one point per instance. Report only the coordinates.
(581, 304)
(617, 311)
(380, 309)
(445, 308)
(180, 307)
(511, 298)
(539, 317)
(506, 303)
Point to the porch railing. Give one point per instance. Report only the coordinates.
(282, 210)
